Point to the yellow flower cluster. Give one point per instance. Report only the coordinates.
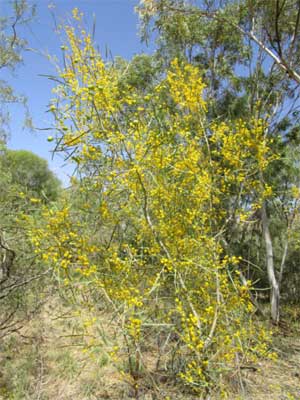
(58, 242)
(186, 87)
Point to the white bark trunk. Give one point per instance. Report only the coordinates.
(275, 292)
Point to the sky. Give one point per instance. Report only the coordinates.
(116, 30)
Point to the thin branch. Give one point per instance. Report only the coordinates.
(23, 283)
(295, 30)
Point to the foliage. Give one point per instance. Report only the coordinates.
(31, 172)
(21, 280)
(11, 48)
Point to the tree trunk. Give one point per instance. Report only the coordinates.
(275, 292)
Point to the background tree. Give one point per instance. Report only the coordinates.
(32, 173)
(26, 183)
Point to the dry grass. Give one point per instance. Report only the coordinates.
(51, 360)
(277, 380)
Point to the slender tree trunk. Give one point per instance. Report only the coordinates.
(282, 265)
(274, 285)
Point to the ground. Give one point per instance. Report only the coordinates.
(47, 360)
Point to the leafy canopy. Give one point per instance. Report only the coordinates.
(31, 173)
